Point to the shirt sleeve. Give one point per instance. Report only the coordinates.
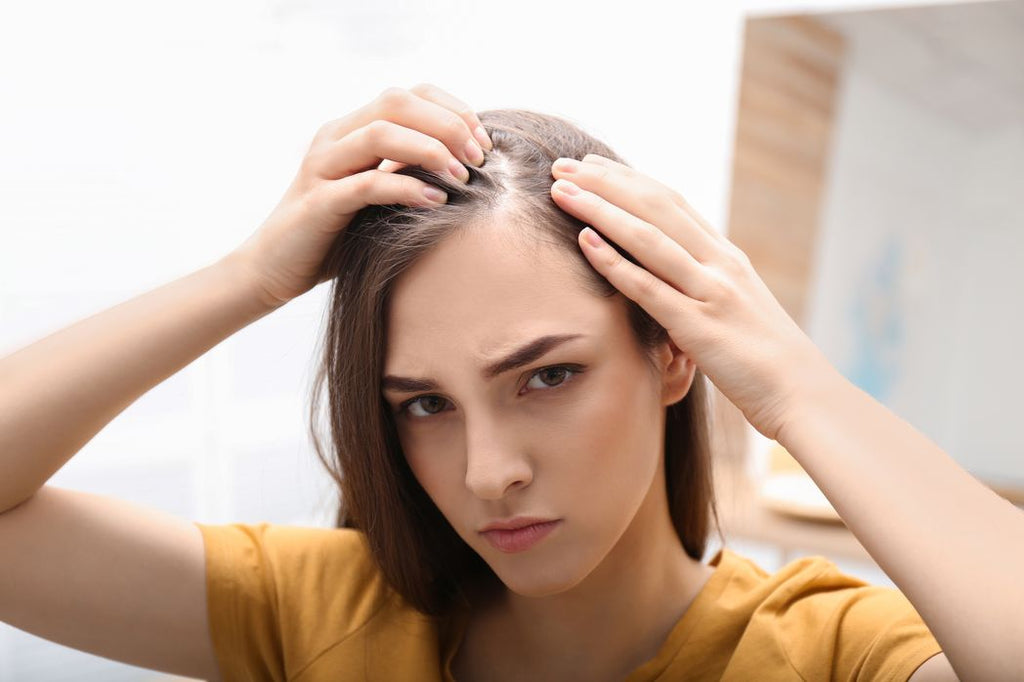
(278, 596)
(855, 631)
(242, 603)
(882, 637)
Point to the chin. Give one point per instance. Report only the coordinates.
(537, 578)
(524, 586)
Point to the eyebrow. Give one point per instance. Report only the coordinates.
(523, 355)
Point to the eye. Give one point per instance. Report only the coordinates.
(559, 374)
(415, 402)
(553, 371)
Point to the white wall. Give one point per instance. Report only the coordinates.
(141, 141)
(918, 277)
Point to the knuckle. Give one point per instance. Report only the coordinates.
(423, 88)
(463, 110)
(653, 200)
(376, 130)
(326, 129)
(647, 284)
(454, 127)
(592, 157)
(736, 261)
(313, 161)
(721, 286)
(362, 183)
(649, 236)
(392, 96)
(438, 152)
(680, 201)
(741, 256)
(600, 173)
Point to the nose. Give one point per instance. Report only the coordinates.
(495, 465)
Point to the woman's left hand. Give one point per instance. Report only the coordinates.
(700, 286)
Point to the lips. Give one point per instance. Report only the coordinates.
(521, 538)
(514, 523)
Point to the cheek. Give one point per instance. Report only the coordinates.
(433, 473)
(433, 482)
(620, 402)
(616, 434)
(423, 468)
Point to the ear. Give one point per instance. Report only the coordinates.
(677, 371)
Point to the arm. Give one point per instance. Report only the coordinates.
(109, 578)
(83, 376)
(98, 574)
(120, 580)
(952, 546)
(57, 393)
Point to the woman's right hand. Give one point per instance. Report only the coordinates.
(348, 166)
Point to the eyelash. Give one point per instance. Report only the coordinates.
(572, 371)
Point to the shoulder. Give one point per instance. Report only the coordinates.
(295, 551)
(811, 583)
(312, 567)
(827, 623)
(279, 595)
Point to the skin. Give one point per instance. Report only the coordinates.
(598, 596)
(958, 564)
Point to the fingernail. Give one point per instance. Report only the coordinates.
(590, 237)
(434, 194)
(481, 137)
(459, 171)
(566, 165)
(474, 153)
(566, 187)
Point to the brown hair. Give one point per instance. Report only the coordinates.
(418, 551)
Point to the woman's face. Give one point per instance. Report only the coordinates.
(581, 441)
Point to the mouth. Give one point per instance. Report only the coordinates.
(512, 540)
(514, 523)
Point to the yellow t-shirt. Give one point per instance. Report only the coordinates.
(308, 604)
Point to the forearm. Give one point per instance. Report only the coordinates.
(952, 546)
(59, 392)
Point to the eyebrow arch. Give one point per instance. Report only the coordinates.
(521, 356)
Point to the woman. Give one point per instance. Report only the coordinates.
(489, 367)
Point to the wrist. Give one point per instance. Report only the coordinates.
(243, 271)
(818, 393)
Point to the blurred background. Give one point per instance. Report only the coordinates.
(867, 156)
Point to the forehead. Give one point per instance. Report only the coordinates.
(479, 293)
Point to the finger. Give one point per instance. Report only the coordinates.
(381, 140)
(677, 198)
(411, 111)
(352, 193)
(662, 256)
(446, 99)
(645, 198)
(390, 166)
(666, 304)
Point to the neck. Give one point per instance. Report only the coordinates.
(617, 617)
